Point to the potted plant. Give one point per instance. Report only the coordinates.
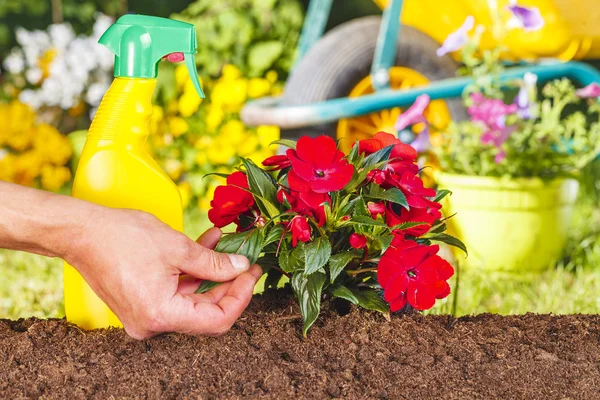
(361, 228)
(513, 164)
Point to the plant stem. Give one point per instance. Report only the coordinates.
(360, 271)
(57, 11)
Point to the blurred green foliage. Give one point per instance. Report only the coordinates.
(253, 35)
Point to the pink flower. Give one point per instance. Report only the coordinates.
(457, 39)
(591, 91)
(412, 116)
(358, 241)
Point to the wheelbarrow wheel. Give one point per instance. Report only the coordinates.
(339, 63)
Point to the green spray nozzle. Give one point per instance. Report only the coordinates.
(139, 42)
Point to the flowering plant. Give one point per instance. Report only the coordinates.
(358, 227)
(515, 130)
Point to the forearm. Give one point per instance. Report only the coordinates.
(41, 222)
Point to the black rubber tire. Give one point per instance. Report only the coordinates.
(343, 57)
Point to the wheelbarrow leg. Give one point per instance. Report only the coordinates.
(385, 52)
(314, 25)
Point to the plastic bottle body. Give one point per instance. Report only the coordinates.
(116, 171)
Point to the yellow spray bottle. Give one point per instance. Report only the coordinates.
(114, 169)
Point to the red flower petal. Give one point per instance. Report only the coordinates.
(421, 297)
(389, 265)
(398, 303)
(396, 287)
(238, 178)
(442, 289)
(357, 241)
(320, 151)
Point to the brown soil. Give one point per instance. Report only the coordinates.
(359, 355)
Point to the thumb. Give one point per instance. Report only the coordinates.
(204, 263)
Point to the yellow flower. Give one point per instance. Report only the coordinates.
(188, 103)
(7, 169)
(220, 152)
(53, 178)
(230, 72)
(201, 158)
(258, 87)
(21, 140)
(230, 94)
(173, 168)
(271, 76)
(77, 110)
(156, 120)
(177, 126)
(214, 118)
(203, 142)
(259, 156)
(233, 132)
(248, 146)
(27, 167)
(51, 146)
(204, 201)
(181, 75)
(185, 190)
(45, 61)
(267, 134)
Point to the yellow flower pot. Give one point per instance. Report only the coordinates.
(509, 224)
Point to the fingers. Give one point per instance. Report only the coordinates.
(193, 315)
(210, 238)
(204, 263)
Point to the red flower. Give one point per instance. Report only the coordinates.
(376, 209)
(358, 241)
(300, 230)
(415, 274)
(381, 140)
(413, 188)
(425, 215)
(230, 201)
(306, 203)
(318, 165)
(277, 162)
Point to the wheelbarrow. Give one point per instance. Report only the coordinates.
(353, 81)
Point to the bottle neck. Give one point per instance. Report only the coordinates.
(125, 111)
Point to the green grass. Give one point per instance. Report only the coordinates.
(31, 285)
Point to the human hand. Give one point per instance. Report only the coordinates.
(147, 274)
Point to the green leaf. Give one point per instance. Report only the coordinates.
(292, 260)
(308, 290)
(248, 244)
(205, 286)
(394, 195)
(449, 239)
(439, 229)
(274, 235)
(360, 208)
(367, 299)
(317, 254)
(267, 262)
(353, 155)
(377, 157)
(273, 278)
(263, 187)
(217, 174)
(364, 220)
(286, 142)
(261, 56)
(408, 225)
(338, 262)
(441, 194)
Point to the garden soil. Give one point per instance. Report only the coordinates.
(358, 355)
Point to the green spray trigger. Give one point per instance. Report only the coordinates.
(139, 42)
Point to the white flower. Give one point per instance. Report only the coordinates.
(103, 22)
(31, 98)
(14, 62)
(34, 75)
(95, 93)
(61, 35)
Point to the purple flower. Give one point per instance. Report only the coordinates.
(528, 18)
(500, 156)
(591, 91)
(457, 39)
(414, 115)
(523, 99)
